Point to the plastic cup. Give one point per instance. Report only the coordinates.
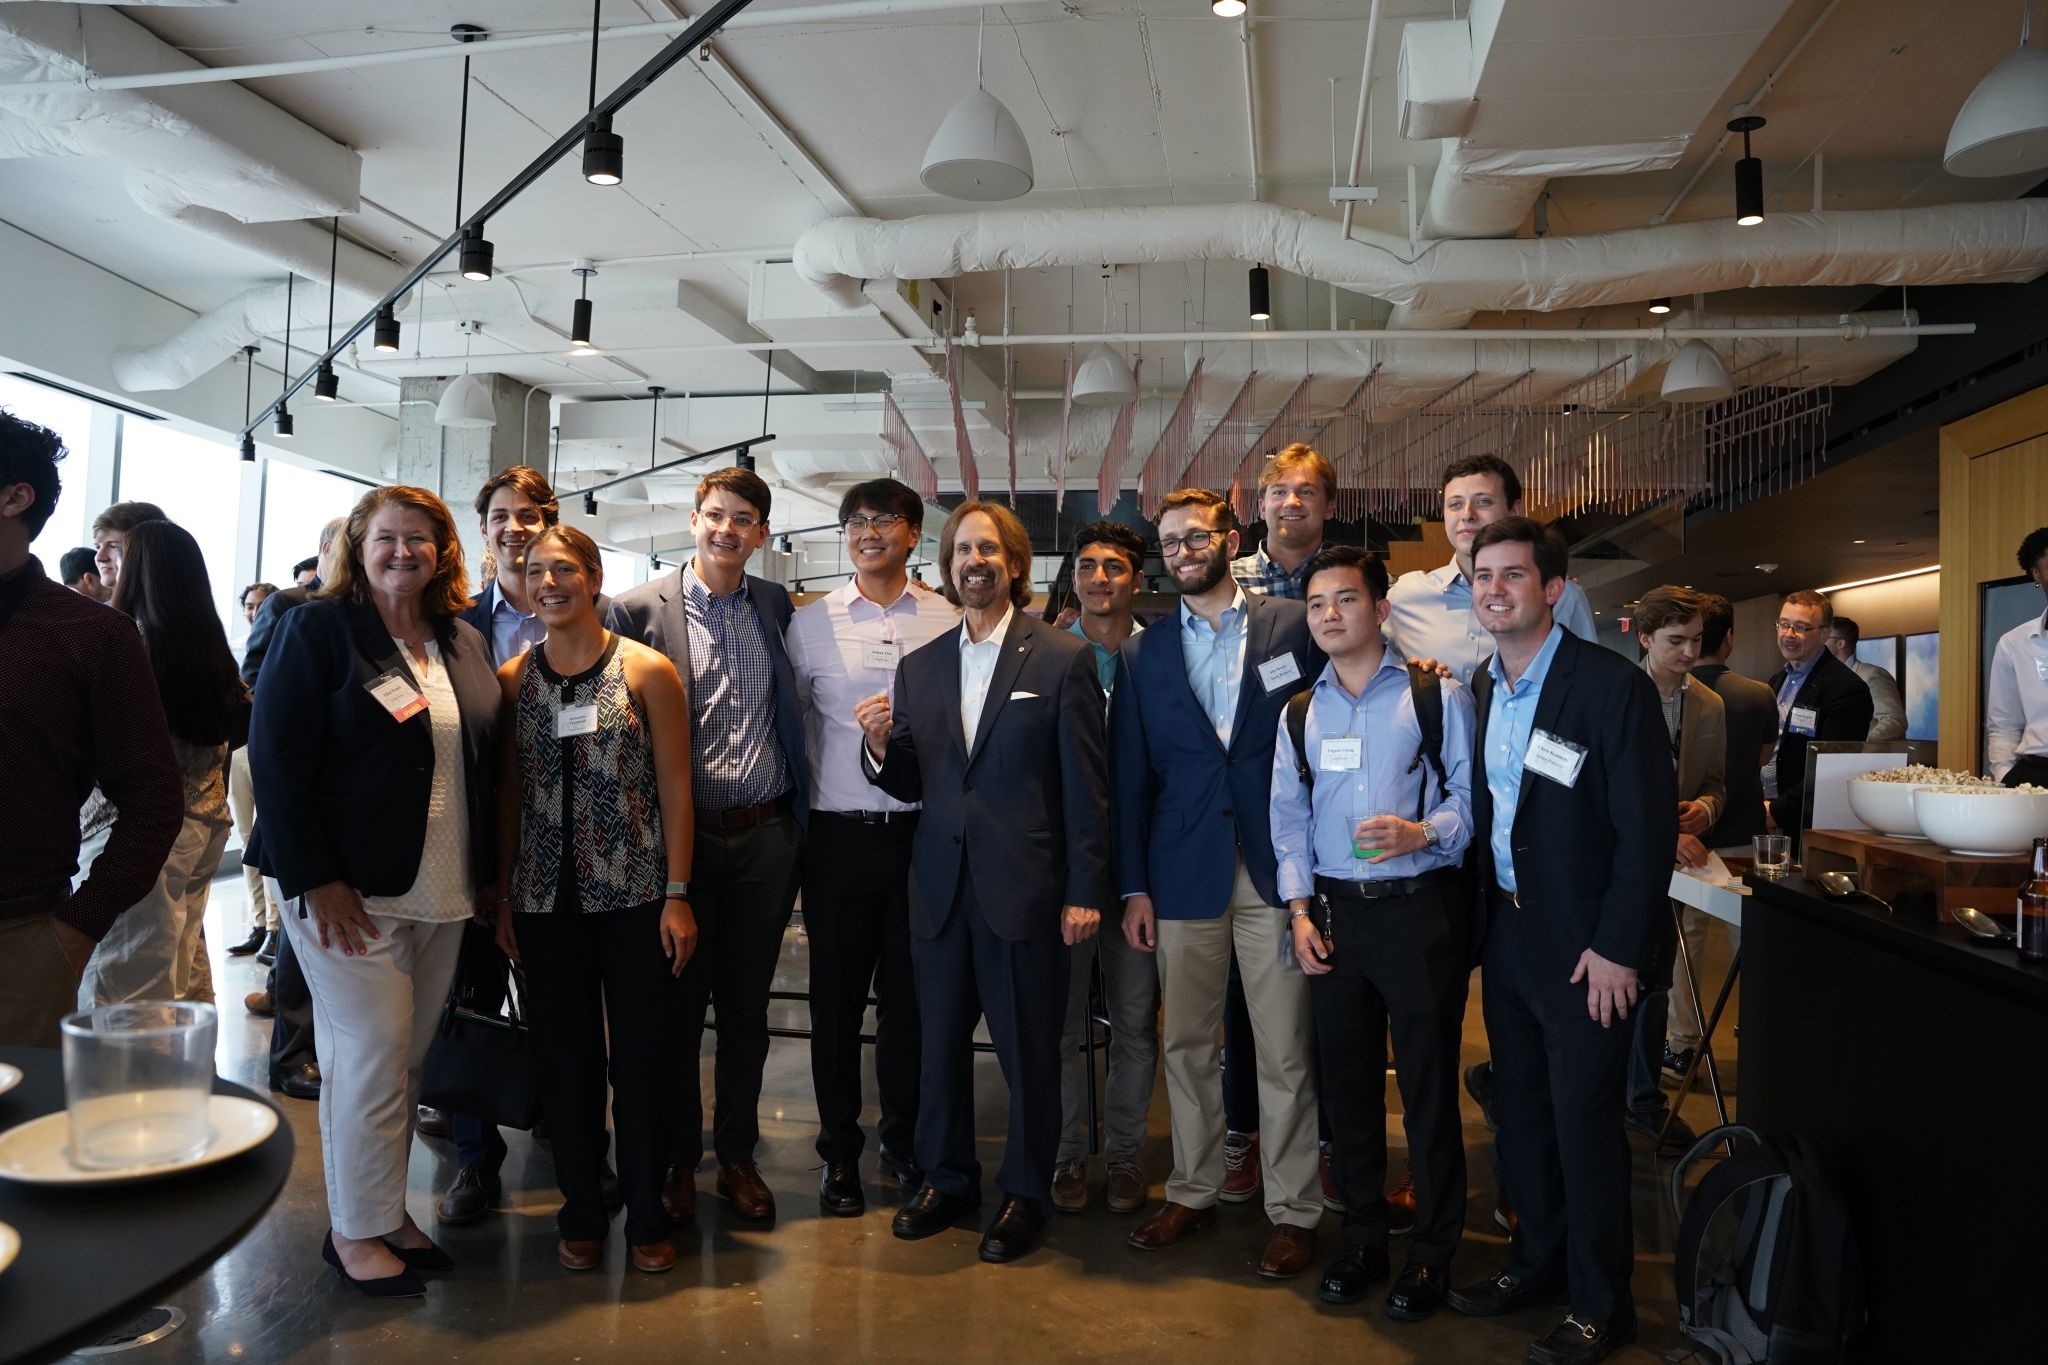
(136, 1082)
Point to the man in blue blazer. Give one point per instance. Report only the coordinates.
(722, 628)
(1575, 819)
(1192, 727)
(997, 728)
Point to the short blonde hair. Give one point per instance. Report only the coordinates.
(446, 593)
(1300, 455)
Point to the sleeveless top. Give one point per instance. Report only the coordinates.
(590, 838)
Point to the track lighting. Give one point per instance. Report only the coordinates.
(1660, 306)
(387, 328)
(1227, 9)
(1749, 174)
(283, 425)
(604, 153)
(249, 449)
(326, 384)
(476, 248)
(1262, 294)
(590, 504)
(326, 387)
(579, 321)
(248, 388)
(476, 253)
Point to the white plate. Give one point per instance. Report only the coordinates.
(10, 1076)
(35, 1153)
(10, 1246)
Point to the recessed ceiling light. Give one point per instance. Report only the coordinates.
(1856, 542)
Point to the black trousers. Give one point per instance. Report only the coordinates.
(743, 884)
(595, 977)
(964, 974)
(291, 1027)
(1397, 965)
(857, 916)
(1559, 1080)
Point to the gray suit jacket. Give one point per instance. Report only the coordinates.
(1703, 751)
(1887, 707)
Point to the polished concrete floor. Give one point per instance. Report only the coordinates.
(814, 1288)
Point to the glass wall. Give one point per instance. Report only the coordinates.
(198, 483)
(297, 503)
(71, 418)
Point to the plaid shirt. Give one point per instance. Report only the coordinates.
(735, 758)
(1256, 573)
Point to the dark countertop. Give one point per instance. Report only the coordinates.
(1915, 933)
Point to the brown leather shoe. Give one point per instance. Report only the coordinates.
(1126, 1188)
(742, 1186)
(1169, 1225)
(581, 1255)
(1401, 1206)
(259, 1004)
(1288, 1251)
(655, 1257)
(1070, 1186)
(679, 1196)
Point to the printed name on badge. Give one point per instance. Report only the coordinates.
(1805, 720)
(1342, 755)
(1279, 671)
(571, 721)
(1555, 758)
(396, 694)
(881, 654)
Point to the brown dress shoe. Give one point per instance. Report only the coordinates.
(742, 1186)
(1401, 1206)
(655, 1257)
(581, 1255)
(1070, 1187)
(258, 1003)
(1288, 1251)
(679, 1196)
(1126, 1188)
(1169, 1225)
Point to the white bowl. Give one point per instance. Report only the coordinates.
(1886, 807)
(1987, 823)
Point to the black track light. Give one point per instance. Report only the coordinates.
(590, 504)
(579, 329)
(1262, 294)
(248, 388)
(326, 384)
(326, 387)
(387, 328)
(1660, 306)
(476, 253)
(1749, 174)
(604, 153)
(249, 449)
(283, 425)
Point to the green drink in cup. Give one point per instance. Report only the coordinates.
(1359, 847)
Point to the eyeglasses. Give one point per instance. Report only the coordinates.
(1193, 540)
(718, 521)
(883, 522)
(1795, 628)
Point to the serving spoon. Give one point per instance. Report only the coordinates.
(1980, 924)
(1843, 887)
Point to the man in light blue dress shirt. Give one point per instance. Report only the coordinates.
(1369, 830)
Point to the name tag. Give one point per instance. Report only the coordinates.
(396, 694)
(1555, 758)
(1342, 755)
(1279, 671)
(881, 654)
(1805, 721)
(572, 721)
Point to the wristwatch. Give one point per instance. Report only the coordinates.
(1429, 835)
(678, 891)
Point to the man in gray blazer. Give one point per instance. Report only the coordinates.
(722, 628)
(1887, 707)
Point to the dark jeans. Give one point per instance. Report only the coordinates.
(743, 883)
(291, 1028)
(598, 979)
(857, 917)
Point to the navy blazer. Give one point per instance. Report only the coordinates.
(345, 787)
(1592, 861)
(1842, 710)
(1185, 805)
(1024, 807)
(655, 615)
(264, 628)
(478, 615)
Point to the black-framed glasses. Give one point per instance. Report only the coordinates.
(883, 522)
(1796, 628)
(1193, 540)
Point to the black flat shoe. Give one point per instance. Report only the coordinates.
(428, 1257)
(839, 1192)
(1417, 1294)
(301, 1082)
(1014, 1231)
(1355, 1271)
(1501, 1293)
(930, 1212)
(403, 1285)
(901, 1168)
(249, 944)
(1572, 1342)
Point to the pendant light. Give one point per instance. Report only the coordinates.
(1696, 375)
(466, 402)
(326, 386)
(1261, 294)
(1104, 379)
(248, 392)
(1660, 306)
(283, 424)
(579, 324)
(604, 151)
(1227, 9)
(2002, 128)
(387, 328)
(477, 250)
(979, 152)
(1749, 174)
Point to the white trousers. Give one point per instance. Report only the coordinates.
(373, 1016)
(157, 947)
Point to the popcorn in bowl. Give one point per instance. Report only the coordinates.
(1922, 775)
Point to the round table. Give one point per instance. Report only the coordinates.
(89, 1253)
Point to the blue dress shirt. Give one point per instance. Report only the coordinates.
(513, 631)
(1215, 661)
(1795, 678)
(1430, 616)
(1510, 720)
(1318, 844)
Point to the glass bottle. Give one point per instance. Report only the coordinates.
(2032, 938)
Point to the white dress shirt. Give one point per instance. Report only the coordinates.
(830, 643)
(1430, 616)
(977, 667)
(2016, 697)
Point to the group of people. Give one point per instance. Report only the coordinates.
(1278, 825)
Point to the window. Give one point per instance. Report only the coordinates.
(198, 483)
(622, 570)
(71, 418)
(297, 503)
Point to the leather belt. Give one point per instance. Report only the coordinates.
(44, 898)
(1389, 888)
(740, 817)
(871, 817)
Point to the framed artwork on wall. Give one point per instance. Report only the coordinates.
(1921, 685)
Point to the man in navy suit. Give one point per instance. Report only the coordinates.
(722, 628)
(1575, 815)
(1192, 725)
(997, 728)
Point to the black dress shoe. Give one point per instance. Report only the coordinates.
(1418, 1293)
(249, 944)
(1572, 1342)
(1014, 1231)
(1502, 1293)
(930, 1212)
(301, 1082)
(473, 1195)
(429, 1257)
(403, 1285)
(1355, 1271)
(901, 1168)
(267, 954)
(839, 1191)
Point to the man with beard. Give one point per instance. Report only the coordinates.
(997, 729)
(1192, 727)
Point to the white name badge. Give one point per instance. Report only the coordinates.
(396, 694)
(1805, 720)
(1555, 758)
(1342, 755)
(883, 654)
(1279, 671)
(572, 721)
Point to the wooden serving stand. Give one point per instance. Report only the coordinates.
(1887, 867)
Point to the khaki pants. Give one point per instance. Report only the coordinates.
(157, 947)
(1194, 967)
(242, 801)
(37, 987)
(1682, 1031)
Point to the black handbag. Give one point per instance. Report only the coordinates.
(482, 1063)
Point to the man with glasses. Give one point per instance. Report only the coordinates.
(723, 628)
(1818, 698)
(843, 652)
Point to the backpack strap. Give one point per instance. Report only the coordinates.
(1427, 691)
(1759, 1163)
(1297, 730)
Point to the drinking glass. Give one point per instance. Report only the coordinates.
(136, 1081)
(1773, 854)
(1359, 816)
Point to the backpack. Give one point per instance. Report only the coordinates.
(1786, 1287)
(1428, 695)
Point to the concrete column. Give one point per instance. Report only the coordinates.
(455, 461)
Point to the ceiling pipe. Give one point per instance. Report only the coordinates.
(1372, 39)
(1251, 95)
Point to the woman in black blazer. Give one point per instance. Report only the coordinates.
(374, 741)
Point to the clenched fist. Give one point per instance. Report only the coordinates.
(875, 717)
